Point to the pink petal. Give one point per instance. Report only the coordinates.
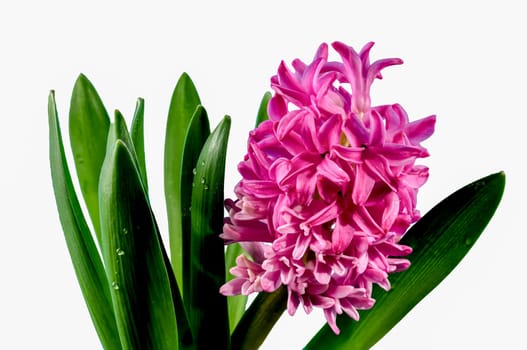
(377, 129)
(341, 237)
(332, 171)
(322, 301)
(276, 108)
(391, 211)
(350, 154)
(293, 301)
(261, 188)
(233, 287)
(330, 132)
(374, 70)
(301, 245)
(326, 214)
(322, 272)
(421, 129)
(331, 317)
(362, 186)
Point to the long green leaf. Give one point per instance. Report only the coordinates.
(184, 101)
(259, 319)
(84, 255)
(262, 110)
(138, 138)
(207, 308)
(185, 338)
(237, 303)
(135, 267)
(197, 133)
(119, 131)
(439, 241)
(88, 128)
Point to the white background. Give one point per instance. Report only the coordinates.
(464, 61)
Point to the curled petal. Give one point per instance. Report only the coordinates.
(233, 287)
(421, 129)
(350, 154)
(341, 237)
(362, 186)
(333, 172)
(277, 107)
(331, 317)
(293, 301)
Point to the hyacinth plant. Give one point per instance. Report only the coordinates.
(324, 217)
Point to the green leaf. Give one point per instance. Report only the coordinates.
(439, 241)
(207, 307)
(119, 131)
(183, 325)
(259, 319)
(262, 110)
(84, 255)
(135, 267)
(138, 138)
(88, 128)
(237, 303)
(197, 133)
(184, 101)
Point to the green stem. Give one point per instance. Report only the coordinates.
(259, 319)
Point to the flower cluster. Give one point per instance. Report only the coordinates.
(328, 187)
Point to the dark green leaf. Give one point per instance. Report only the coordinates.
(88, 127)
(207, 307)
(85, 257)
(119, 131)
(138, 138)
(184, 101)
(136, 270)
(235, 303)
(259, 319)
(183, 325)
(262, 110)
(197, 133)
(439, 241)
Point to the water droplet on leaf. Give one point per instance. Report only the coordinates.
(115, 285)
(119, 251)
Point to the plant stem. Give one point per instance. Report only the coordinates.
(259, 319)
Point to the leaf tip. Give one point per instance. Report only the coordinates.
(118, 115)
(82, 79)
(184, 76)
(51, 98)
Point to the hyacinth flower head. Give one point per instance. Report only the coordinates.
(328, 189)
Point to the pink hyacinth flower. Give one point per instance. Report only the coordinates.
(328, 189)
